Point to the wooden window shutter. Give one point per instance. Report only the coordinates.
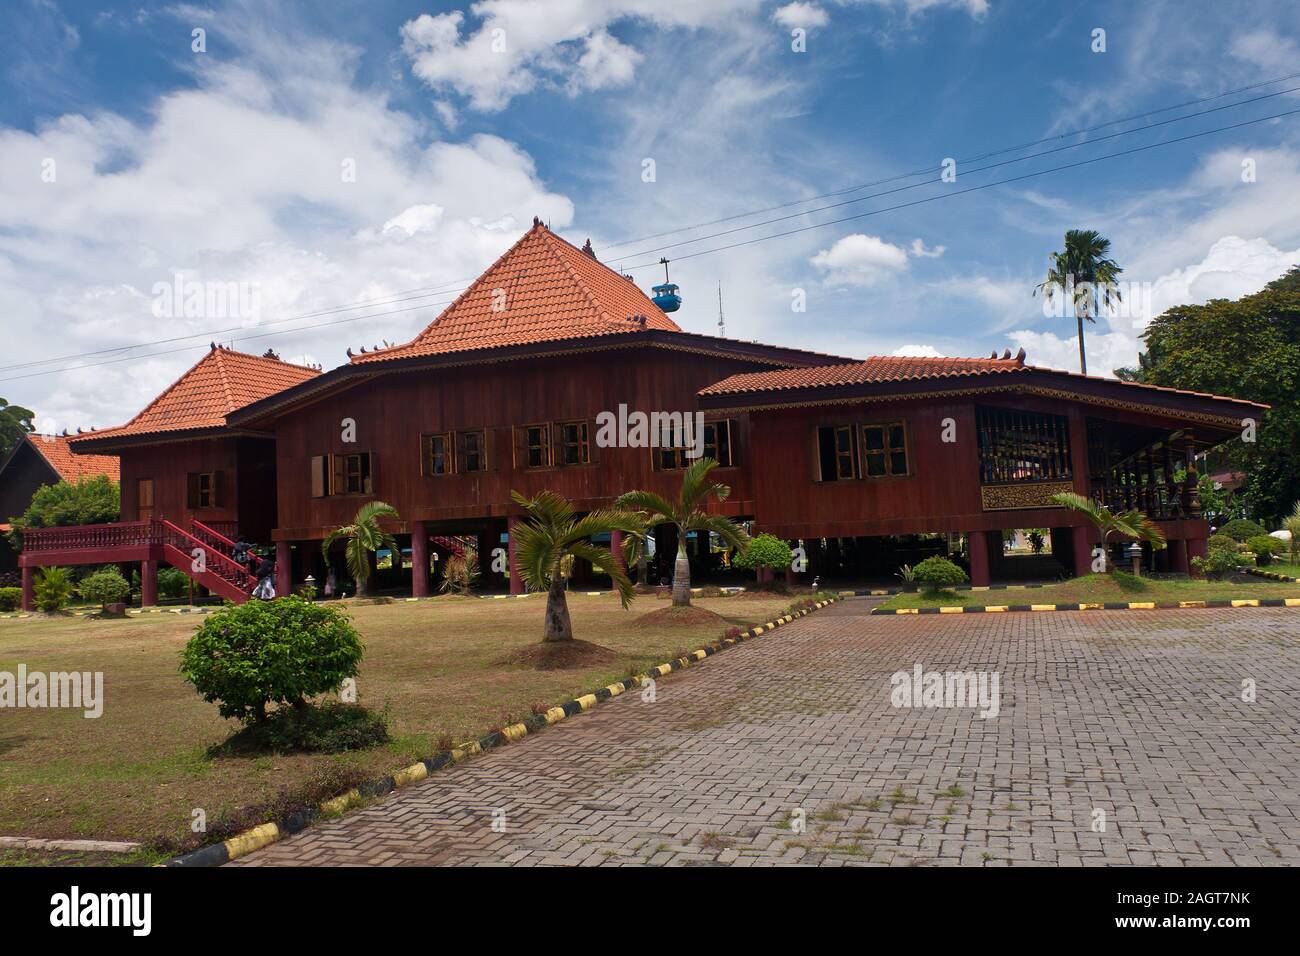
(557, 444)
(817, 453)
(191, 490)
(426, 454)
(521, 447)
(338, 475)
(371, 483)
(318, 476)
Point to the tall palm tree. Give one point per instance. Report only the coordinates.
(1128, 524)
(551, 538)
(687, 514)
(1083, 270)
(364, 536)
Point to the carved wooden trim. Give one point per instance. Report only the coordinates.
(1030, 494)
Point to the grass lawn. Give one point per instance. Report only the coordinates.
(1290, 570)
(1102, 588)
(140, 770)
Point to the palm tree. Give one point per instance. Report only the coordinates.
(687, 514)
(1128, 524)
(551, 538)
(1292, 524)
(364, 537)
(1084, 269)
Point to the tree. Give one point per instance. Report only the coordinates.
(550, 537)
(1247, 348)
(1128, 524)
(90, 501)
(1084, 272)
(364, 536)
(15, 421)
(765, 552)
(688, 514)
(106, 586)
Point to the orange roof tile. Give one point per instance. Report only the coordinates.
(222, 381)
(55, 450)
(880, 368)
(540, 290)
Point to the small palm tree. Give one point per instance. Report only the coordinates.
(551, 538)
(1128, 524)
(364, 536)
(687, 514)
(1084, 268)
(1292, 524)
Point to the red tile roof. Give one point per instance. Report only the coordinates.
(222, 381)
(880, 368)
(55, 450)
(540, 290)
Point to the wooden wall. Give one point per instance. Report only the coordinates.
(392, 412)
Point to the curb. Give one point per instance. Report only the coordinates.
(881, 592)
(1271, 575)
(1108, 606)
(242, 844)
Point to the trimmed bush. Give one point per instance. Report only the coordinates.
(270, 652)
(1223, 541)
(765, 551)
(52, 589)
(11, 599)
(1264, 547)
(1239, 529)
(937, 574)
(1219, 563)
(106, 586)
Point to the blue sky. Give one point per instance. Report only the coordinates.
(225, 166)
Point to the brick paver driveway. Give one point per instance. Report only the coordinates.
(1135, 713)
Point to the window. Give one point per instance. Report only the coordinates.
(537, 446)
(438, 455)
(1022, 446)
(352, 474)
(717, 442)
(472, 451)
(884, 450)
(574, 448)
(201, 490)
(835, 452)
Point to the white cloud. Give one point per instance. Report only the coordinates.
(860, 260)
(920, 251)
(518, 46)
(1267, 50)
(1232, 268)
(917, 351)
(799, 14)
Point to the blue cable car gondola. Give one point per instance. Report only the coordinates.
(665, 296)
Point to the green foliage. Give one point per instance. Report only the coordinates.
(90, 501)
(1224, 542)
(15, 421)
(1084, 270)
(936, 573)
(173, 583)
(765, 551)
(270, 652)
(11, 599)
(1247, 348)
(1292, 524)
(1264, 546)
(106, 586)
(459, 573)
(1239, 529)
(329, 728)
(1219, 563)
(364, 536)
(53, 587)
(1036, 538)
(1127, 524)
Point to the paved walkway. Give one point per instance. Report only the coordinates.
(1137, 714)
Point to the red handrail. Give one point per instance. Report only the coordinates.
(226, 568)
(87, 536)
(202, 531)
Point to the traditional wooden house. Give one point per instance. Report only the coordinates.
(506, 391)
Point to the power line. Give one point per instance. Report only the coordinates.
(971, 189)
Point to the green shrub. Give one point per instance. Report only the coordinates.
(937, 574)
(52, 589)
(329, 728)
(765, 551)
(11, 599)
(1239, 529)
(1219, 563)
(1264, 547)
(270, 652)
(1221, 540)
(106, 586)
(173, 583)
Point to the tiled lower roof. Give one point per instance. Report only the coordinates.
(880, 368)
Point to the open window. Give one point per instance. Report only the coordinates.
(884, 450)
(573, 447)
(436, 454)
(533, 446)
(201, 490)
(351, 474)
(836, 453)
(717, 442)
(471, 451)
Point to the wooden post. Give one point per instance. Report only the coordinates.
(148, 583)
(419, 561)
(1082, 547)
(1196, 548)
(516, 579)
(979, 558)
(29, 589)
(283, 569)
(1178, 556)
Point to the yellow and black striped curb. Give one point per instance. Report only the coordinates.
(130, 612)
(1107, 606)
(1271, 575)
(258, 837)
(882, 592)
